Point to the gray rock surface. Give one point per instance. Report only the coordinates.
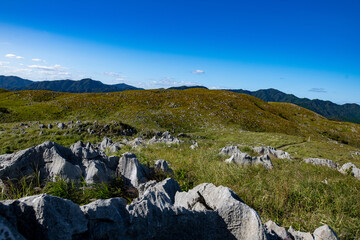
(297, 235)
(242, 221)
(46, 217)
(108, 219)
(275, 232)
(325, 233)
(272, 151)
(8, 231)
(130, 168)
(166, 138)
(163, 165)
(321, 162)
(230, 150)
(350, 168)
(61, 125)
(245, 159)
(96, 172)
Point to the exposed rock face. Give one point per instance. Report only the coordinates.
(275, 232)
(230, 150)
(297, 235)
(107, 144)
(325, 233)
(108, 219)
(272, 151)
(130, 168)
(162, 165)
(52, 160)
(246, 159)
(242, 221)
(321, 162)
(166, 137)
(8, 232)
(351, 168)
(137, 142)
(45, 217)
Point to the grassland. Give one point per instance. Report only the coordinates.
(292, 194)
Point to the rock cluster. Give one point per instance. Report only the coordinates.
(321, 162)
(272, 151)
(161, 211)
(51, 160)
(241, 158)
(275, 232)
(166, 138)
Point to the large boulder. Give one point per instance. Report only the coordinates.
(46, 217)
(272, 151)
(85, 151)
(108, 219)
(321, 162)
(8, 231)
(298, 235)
(241, 221)
(275, 232)
(230, 150)
(97, 172)
(130, 168)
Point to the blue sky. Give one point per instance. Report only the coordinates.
(308, 48)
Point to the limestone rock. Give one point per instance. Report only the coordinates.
(245, 159)
(61, 125)
(166, 138)
(351, 168)
(275, 232)
(108, 219)
(321, 162)
(130, 168)
(242, 221)
(230, 150)
(297, 235)
(97, 172)
(8, 232)
(47, 217)
(272, 151)
(163, 165)
(325, 233)
(84, 151)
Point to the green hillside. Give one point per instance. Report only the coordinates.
(292, 194)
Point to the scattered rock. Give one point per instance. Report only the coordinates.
(194, 145)
(272, 151)
(321, 162)
(230, 150)
(61, 125)
(297, 235)
(50, 126)
(41, 126)
(245, 159)
(137, 142)
(162, 165)
(166, 138)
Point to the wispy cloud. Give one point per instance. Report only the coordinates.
(318, 90)
(37, 60)
(4, 63)
(198, 71)
(112, 74)
(47, 68)
(10, 55)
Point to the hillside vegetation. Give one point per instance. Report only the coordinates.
(292, 194)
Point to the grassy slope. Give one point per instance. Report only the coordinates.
(292, 194)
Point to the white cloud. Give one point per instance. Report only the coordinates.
(3, 63)
(198, 71)
(47, 68)
(10, 55)
(113, 74)
(37, 60)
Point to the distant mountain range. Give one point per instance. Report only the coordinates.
(346, 112)
(330, 110)
(82, 86)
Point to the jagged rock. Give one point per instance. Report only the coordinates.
(97, 172)
(61, 125)
(272, 151)
(297, 235)
(230, 150)
(130, 168)
(350, 168)
(137, 142)
(106, 143)
(84, 151)
(162, 165)
(108, 219)
(115, 147)
(275, 232)
(321, 162)
(245, 159)
(168, 186)
(242, 221)
(8, 231)
(112, 162)
(57, 166)
(166, 138)
(46, 217)
(325, 233)
(50, 126)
